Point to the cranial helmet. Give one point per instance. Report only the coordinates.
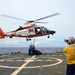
(71, 40)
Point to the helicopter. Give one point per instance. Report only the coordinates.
(29, 30)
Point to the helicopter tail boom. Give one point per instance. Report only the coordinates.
(1, 34)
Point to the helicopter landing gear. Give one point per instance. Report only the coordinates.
(28, 39)
(48, 36)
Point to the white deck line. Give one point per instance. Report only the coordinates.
(22, 66)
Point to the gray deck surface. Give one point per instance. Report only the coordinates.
(22, 64)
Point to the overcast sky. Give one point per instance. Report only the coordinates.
(63, 24)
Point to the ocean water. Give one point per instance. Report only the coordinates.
(4, 50)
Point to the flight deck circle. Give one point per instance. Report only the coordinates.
(37, 62)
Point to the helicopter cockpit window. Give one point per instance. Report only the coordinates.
(20, 28)
(38, 30)
(43, 30)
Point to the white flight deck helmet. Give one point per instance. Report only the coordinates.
(70, 40)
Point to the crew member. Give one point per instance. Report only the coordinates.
(30, 50)
(70, 51)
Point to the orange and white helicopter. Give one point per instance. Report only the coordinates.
(29, 29)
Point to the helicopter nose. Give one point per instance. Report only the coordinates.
(52, 32)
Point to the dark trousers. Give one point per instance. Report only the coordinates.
(29, 52)
(70, 69)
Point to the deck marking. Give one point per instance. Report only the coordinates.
(32, 60)
(22, 66)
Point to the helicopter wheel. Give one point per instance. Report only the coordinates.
(28, 39)
(48, 36)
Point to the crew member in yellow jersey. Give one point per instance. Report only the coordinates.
(70, 51)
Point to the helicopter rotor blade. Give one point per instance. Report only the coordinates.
(47, 17)
(12, 17)
(36, 21)
(41, 22)
(31, 21)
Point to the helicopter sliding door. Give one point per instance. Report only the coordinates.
(38, 30)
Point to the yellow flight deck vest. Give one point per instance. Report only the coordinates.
(70, 51)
